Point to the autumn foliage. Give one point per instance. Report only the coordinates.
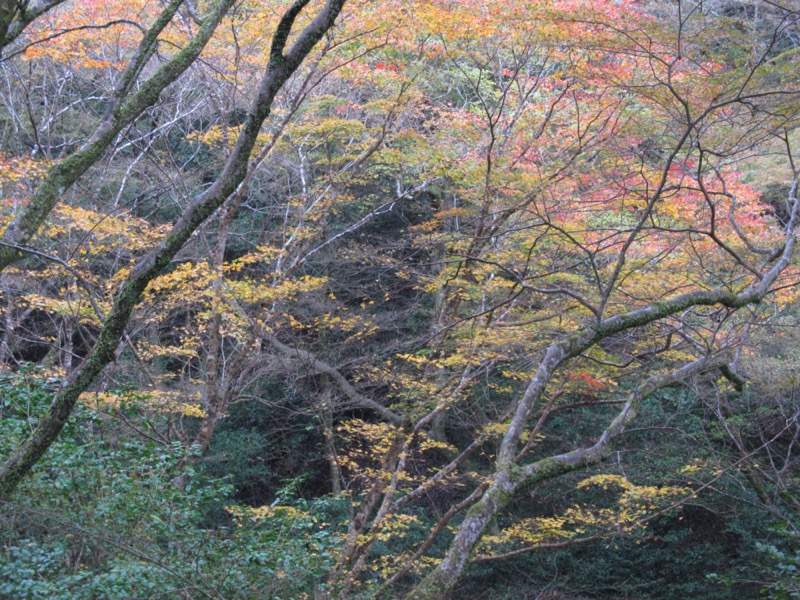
(455, 253)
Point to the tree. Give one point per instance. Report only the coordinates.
(698, 115)
(283, 62)
(467, 224)
(602, 223)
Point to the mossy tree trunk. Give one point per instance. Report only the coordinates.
(282, 64)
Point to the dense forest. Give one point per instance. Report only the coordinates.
(481, 299)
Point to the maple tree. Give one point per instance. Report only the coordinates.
(282, 63)
(455, 223)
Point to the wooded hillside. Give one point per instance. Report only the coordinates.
(382, 299)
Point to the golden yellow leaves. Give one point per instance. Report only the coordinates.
(74, 305)
(239, 295)
(495, 430)
(257, 291)
(632, 507)
(263, 513)
(88, 240)
(156, 401)
(351, 326)
(364, 446)
(98, 232)
(396, 525)
(196, 283)
(19, 173)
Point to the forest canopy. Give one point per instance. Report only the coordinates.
(384, 299)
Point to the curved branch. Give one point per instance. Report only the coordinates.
(68, 30)
(356, 397)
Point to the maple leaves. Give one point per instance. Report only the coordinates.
(628, 514)
(547, 199)
(18, 175)
(90, 35)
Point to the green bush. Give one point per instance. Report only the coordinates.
(102, 517)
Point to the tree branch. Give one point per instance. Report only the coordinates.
(356, 397)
